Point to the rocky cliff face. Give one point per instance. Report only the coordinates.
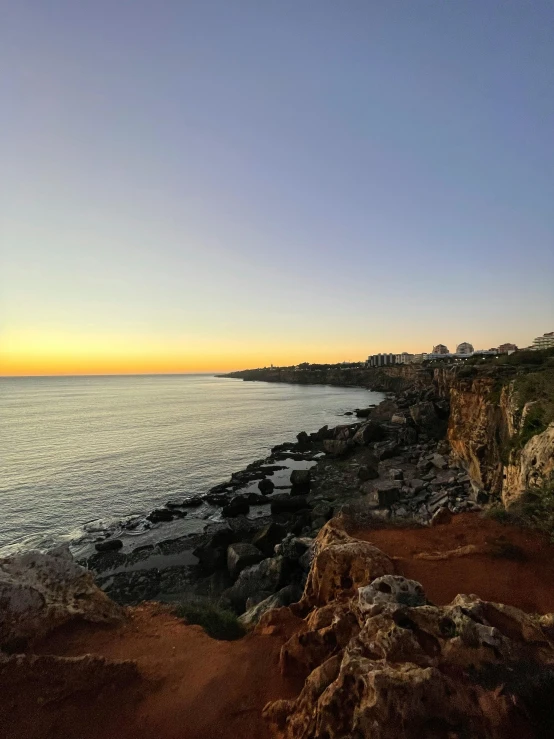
(384, 379)
(486, 421)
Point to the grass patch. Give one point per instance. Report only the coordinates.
(534, 510)
(217, 622)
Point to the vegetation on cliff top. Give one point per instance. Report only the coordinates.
(534, 510)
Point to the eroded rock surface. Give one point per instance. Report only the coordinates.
(39, 592)
(381, 662)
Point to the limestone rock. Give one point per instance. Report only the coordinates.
(41, 591)
(341, 564)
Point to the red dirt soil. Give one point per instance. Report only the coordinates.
(194, 687)
(518, 569)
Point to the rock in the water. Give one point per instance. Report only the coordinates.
(109, 545)
(241, 555)
(235, 508)
(266, 486)
(336, 447)
(267, 538)
(41, 591)
(160, 514)
(303, 438)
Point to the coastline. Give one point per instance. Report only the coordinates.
(338, 469)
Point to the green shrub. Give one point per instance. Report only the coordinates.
(217, 622)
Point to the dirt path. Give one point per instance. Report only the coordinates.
(501, 563)
(194, 687)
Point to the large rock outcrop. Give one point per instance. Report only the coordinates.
(385, 663)
(40, 591)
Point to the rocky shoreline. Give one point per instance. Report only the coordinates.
(390, 464)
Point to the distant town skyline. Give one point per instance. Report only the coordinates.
(219, 185)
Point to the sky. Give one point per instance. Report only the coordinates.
(208, 185)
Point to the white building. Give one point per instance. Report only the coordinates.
(546, 341)
(464, 348)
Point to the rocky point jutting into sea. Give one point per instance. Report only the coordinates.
(379, 599)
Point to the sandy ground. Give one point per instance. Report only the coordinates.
(193, 687)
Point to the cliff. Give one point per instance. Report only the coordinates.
(501, 416)
(383, 379)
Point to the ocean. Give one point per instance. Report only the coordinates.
(82, 453)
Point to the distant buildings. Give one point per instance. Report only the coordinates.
(380, 360)
(507, 348)
(440, 349)
(546, 341)
(464, 348)
(404, 358)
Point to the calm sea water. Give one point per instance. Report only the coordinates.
(80, 449)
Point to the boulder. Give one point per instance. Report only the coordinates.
(285, 503)
(235, 508)
(368, 471)
(341, 564)
(300, 479)
(268, 537)
(268, 576)
(386, 449)
(335, 447)
(160, 514)
(41, 591)
(407, 436)
(266, 486)
(303, 438)
(426, 419)
(108, 545)
(396, 474)
(241, 555)
(368, 433)
(417, 484)
(293, 547)
(284, 597)
(438, 461)
(363, 412)
(384, 492)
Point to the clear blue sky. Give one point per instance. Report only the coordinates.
(224, 183)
